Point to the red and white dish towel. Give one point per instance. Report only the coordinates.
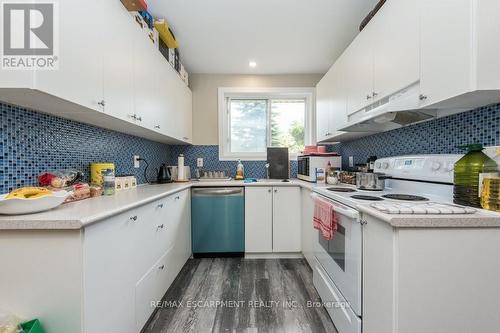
(325, 218)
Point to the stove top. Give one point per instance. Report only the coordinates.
(404, 197)
(341, 189)
(366, 197)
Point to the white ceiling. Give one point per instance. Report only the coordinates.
(282, 36)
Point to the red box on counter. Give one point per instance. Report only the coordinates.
(135, 5)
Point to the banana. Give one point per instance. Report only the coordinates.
(29, 193)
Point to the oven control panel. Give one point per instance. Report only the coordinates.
(436, 167)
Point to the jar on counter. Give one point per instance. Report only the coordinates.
(108, 177)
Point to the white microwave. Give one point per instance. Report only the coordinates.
(307, 165)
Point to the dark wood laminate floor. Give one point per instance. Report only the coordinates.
(241, 295)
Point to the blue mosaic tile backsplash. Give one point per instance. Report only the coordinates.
(32, 142)
(210, 155)
(440, 136)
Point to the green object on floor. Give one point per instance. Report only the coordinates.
(32, 326)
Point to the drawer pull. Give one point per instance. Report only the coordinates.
(177, 197)
(159, 227)
(160, 205)
(161, 267)
(133, 218)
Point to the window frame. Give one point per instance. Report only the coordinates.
(225, 93)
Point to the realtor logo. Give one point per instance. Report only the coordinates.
(30, 35)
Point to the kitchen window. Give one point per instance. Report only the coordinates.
(250, 120)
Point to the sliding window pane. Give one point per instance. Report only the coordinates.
(288, 124)
(248, 119)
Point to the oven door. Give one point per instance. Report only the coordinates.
(341, 256)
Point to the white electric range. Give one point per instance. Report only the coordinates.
(420, 184)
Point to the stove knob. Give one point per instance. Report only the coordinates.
(436, 166)
(385, 165)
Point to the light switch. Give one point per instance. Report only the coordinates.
(351, 161)
(199, 162)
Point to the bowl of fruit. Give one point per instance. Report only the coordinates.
(28, 200)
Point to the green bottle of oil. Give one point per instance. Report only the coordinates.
(467, 173)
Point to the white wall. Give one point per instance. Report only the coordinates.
(205, 88)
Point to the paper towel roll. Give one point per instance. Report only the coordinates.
(180, 168)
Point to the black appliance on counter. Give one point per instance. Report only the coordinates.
(279, 162)
(164, 175)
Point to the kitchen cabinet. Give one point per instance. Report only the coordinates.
(258, 219)
(309, 234)
(395, 45)
(444, 44)
(272, 219)
(286, 219)
(409, 58)
(110, 75)
(404, 268)
(101, 278)
(79, 78)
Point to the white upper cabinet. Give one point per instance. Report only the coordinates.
(110, 75)
(359, 70)
(79, 77)
(395, 41)
(445, 43)
(434, 57)
(118, 62)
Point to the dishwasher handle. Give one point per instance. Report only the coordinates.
(214, 191)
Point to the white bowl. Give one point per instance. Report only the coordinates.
(17, 206)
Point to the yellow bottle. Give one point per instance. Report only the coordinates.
(240, 171)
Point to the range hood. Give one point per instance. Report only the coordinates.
(397, 110)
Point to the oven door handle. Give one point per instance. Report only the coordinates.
(341, 209)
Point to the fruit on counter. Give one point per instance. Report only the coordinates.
(29, 193)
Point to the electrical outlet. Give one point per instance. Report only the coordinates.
(351, 161)
(137, 163)
(199, 162)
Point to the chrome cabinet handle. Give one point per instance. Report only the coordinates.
(269, 190)
(185, 138)
(422, 97)
(133, 218)
(160, 205)
(177, 197)
(161, 267)
(102, 103)
(138, 118)
(157, 126)
(368, 97)
(374, 94)
(160, 226)
(275, 190)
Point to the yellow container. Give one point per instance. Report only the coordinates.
(490, 194)
(96, 172)
(166, 34)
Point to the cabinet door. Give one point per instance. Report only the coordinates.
(258, 219)
(359, 66)
(147, 105)
(338, 113)
(286, 219)
(445, 48)
(185, 110)
(180, 228)
(395, 47)
(323, 106)
(109, 273)
(308, 231)
(118, 52)
(79, 78)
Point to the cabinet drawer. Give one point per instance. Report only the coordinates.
(338, 308)
(151, 288)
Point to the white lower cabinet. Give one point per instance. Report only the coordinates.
(308, 231)
(272, 219)
(130, 260)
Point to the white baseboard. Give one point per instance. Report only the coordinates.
(285, 255)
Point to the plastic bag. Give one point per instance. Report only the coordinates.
(9, 323)
(59, 178)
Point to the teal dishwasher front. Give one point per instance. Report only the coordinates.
(218, 221)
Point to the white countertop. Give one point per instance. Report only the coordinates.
(80, 214)
(481, 219)
(77, 215)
